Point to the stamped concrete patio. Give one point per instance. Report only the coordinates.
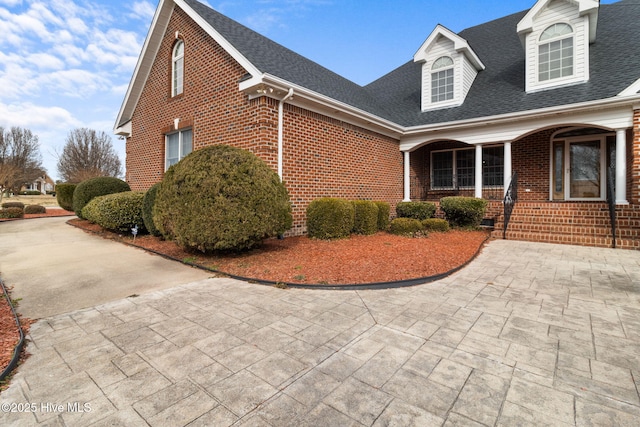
(527, 334)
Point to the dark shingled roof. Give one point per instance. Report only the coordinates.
(499, 89)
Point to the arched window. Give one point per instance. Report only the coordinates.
(442, 79)
(555, 52)
(177, 72)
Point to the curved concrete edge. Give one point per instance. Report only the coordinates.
(344, 287)
(18, 348)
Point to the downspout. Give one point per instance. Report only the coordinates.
(281, 129)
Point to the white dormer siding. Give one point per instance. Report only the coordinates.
(442, 43)
(543, 16)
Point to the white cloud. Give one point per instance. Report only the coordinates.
(34, 117)
(45, 61)
(142, 10)
(75, 83)
(11, 3)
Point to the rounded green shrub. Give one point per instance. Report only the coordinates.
(435, 224)
(416, 210)
(94, 187)
(405, 227)
(463, 211)
(35, 209)
(64, 196)
(365, 217)
(18, 205)
(147, 209)
(330, 218)
(384, 212)
(11, 212)
(221, 198)
(118, 211)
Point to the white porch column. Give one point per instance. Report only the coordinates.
(621, 167)
(407, 176)
(478, 188)
(508, 168)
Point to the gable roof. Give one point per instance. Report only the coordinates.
(274, 59)
(395, 97)
(500, 88)
(459, 44)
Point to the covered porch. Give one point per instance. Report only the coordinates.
(565, 176)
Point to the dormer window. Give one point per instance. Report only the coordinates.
(556, 35)
(442, 79)
(555, 52)
(177, 69)
(449, 68)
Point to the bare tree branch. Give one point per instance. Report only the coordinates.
(20, 158)
(88, 154)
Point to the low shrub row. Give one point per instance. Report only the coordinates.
(94, 187)
(416, 210)
(414, 227)
(18, 205)
(18, 209)
(334, 218)
(11, 212)
(35, 209)
(118, 211)
(463, 211)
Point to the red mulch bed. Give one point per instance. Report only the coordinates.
(9, 333)
(382, 257)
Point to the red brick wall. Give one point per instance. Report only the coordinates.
(634, 164)
(532, 161)
(326, 157)
(322, 156)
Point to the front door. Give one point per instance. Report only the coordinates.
(578, 169)
(585, 170)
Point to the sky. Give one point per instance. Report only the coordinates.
(66, 64)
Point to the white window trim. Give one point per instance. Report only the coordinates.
(175, 91)
(557, 80)
(181, 154)
(440, 69)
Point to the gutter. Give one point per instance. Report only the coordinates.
(281, 129)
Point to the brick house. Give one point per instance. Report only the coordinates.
(551, 94)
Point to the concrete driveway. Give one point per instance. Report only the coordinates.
(527, 334)
(56, 268)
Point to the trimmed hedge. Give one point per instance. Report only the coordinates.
(64, 196)
(330, 218)
(118, 211)
(11, 213)
(365, 217)
(94, 187)
(19, 205)
(435, 224)
(221, 198)
(35, 209)
(147, 210)
(416, 210)
(30, 193)
(405, 227)
(384, 212)
(463, 211)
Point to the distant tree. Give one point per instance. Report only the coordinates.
(88, 154)
(20, 158)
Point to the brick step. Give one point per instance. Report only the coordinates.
(570, 239)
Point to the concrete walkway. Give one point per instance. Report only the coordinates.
(528, 334)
